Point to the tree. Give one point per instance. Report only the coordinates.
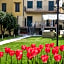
(8, 22)
(15, 25)
(2, 16)
(11, 23)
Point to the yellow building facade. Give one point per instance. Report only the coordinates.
(10, 6)
(14, 7)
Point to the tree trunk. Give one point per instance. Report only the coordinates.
(10, 32)
(1, 28)
(3, 31)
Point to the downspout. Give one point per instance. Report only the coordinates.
(23, 7)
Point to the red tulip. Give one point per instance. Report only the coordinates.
(47, 50)
(47, 45)
(1, 54)
(19, 54)
(19, 57)
(57, 57)
(39, 50)
(57, 47)
(55, 50)
(62, 48)
(29, 56)
(34, 52)
(44, 58)
(7, 50)
(23, 47)
(41, 47)
(52, 45)
(11, 52)
(29, 49)
(33, 45)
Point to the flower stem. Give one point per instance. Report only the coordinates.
(32, 60)
(44, 63)
(27, 61)
(17, 61)
(11, 59)
(0, 60)
(37, 59)
(41, 52)
(36, 62)
(63, 61)
(21, 61)
(62, 57)
(6, 58)
(57, 62)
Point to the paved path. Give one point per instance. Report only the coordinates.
(15, 39)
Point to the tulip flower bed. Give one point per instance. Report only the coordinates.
(32, 53)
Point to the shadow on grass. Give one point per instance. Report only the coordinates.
(58, 38)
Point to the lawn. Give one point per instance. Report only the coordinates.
(28, 41)
(8, 37)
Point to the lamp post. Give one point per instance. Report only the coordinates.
(57, 20)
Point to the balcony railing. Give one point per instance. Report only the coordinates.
(40, 25)
(38, 10)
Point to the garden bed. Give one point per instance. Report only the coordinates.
(28, 41)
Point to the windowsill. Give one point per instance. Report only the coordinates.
(29, 8)
(50, 10)
(39, 8)
(18, 11)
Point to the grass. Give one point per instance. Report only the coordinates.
(28, 41)
(9, 37)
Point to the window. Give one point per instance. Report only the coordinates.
(39, 4)
(4, 7)
(25, 21)
(51, 5)
(47, 23)
(29, 4)
(17, 7)
(53, 23)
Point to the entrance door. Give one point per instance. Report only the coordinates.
(60, 27)
(29, 21)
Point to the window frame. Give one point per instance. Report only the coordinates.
(17, 7)
(40, 3)
(28, 4)
(50, 7)
(4, 9)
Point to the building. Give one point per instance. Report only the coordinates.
(35, 9)
(30, 14)
(61, 10)
(14, 7)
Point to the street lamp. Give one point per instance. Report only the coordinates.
(57, 19)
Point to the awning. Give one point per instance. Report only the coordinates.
(53, 16)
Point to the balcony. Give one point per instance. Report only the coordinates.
(39, 24)
(38, 10)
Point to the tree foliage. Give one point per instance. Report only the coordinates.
(2, 16)
(8, 21)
